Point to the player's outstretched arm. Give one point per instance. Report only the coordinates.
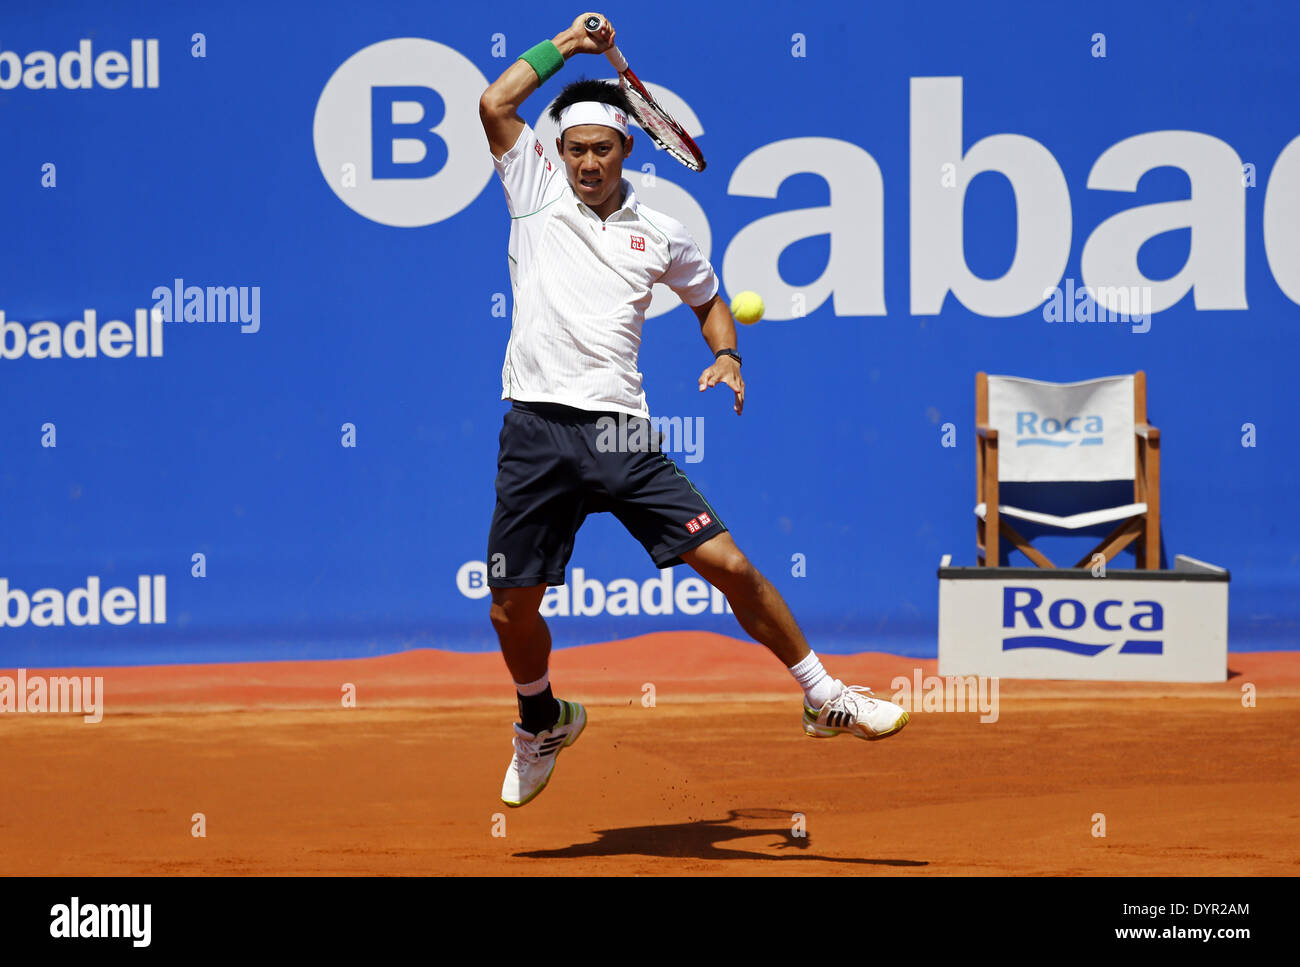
(719, 330)
(498, 108)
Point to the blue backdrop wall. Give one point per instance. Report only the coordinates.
(905, 184)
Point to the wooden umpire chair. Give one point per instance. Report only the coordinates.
(1138, 521)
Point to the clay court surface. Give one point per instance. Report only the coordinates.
(707, 781)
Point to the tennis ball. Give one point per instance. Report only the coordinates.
(747, 307)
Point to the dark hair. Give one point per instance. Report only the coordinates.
(588, 89)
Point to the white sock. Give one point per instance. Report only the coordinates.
(534, 688)
(818, 686)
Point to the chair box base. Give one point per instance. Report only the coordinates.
(1128, 625)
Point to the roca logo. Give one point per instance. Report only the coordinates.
(1023, 607)
(1032, 429)
(389, 145)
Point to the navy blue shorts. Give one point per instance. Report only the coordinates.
(551, 474)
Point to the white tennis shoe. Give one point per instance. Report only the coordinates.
(854, 712)
(534, 759)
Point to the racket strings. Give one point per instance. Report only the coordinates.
(665, 132)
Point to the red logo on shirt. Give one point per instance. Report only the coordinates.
(638, 243)
(537, 146)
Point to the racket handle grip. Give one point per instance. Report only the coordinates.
(615, 55)
(617, 59)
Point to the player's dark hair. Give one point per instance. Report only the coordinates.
(589, 89)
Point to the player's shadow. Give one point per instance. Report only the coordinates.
(700, 839)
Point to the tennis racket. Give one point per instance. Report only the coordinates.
(654, 120)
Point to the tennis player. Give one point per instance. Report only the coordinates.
(584, 255)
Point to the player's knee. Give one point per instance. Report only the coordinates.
(735, 570)
(511, 616)
(500, 616)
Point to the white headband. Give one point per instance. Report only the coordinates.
(593, 112)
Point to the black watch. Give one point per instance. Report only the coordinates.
(729, 352)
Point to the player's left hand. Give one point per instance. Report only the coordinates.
(725, 370)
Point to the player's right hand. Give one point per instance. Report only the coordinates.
(592, 43)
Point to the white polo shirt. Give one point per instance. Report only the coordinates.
(582, 285)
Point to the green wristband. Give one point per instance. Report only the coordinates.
(545, 59)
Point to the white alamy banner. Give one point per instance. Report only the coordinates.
(1063, 431)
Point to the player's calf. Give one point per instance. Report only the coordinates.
(521, 631)
(758, 606)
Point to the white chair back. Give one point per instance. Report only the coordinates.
(1063, 431)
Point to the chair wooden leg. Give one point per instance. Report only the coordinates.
(992, 518)
(1114, 542)
(1024, 547)
(1151, 529)
(1151, 548)
(979, 497)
